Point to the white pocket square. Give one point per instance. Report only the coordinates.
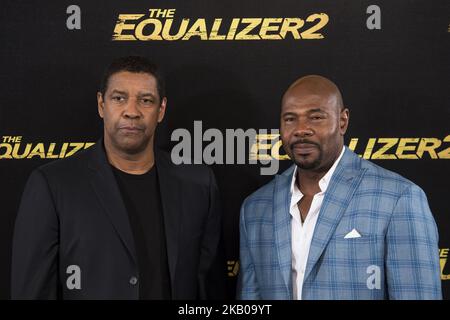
(352, 234)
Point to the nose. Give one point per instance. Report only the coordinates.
(131, 109)
(303, 129)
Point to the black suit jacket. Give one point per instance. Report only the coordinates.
(72, 213)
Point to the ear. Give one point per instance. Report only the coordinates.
(100, 104)
(343, 120)
(162, 109)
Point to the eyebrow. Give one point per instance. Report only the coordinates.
(146, 94)
(290, 113)
(118, 91)
(140, 94)
(316, 110)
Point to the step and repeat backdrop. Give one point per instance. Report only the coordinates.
(227, 64)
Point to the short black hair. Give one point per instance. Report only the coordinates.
(136, 64)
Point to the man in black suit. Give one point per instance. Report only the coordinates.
(120, 220)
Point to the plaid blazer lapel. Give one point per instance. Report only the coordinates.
(340, 191)
(282, 226)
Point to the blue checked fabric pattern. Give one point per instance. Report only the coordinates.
(396, 257)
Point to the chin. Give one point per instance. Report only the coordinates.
(307, 164)
(132, 146)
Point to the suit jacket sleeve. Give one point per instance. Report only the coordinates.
(247, 287)
(212, 265)
(412, 257)
(34, 271)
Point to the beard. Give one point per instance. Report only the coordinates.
(310, 161)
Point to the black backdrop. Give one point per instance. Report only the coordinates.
(395, 80)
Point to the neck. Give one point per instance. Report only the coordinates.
(308, 181)
(138, 163)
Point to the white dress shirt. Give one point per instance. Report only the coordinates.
(302, 233)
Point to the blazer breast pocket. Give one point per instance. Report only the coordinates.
(366, 249)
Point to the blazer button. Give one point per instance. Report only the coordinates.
(133, 281)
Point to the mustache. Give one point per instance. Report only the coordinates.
(303, 141)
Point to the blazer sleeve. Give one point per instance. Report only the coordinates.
(247, 286)
(212, 265)
(412, 256)
(34, 271)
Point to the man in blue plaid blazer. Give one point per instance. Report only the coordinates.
(334, 226)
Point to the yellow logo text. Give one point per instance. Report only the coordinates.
(12, 147)
(373, 148)
(159, 24)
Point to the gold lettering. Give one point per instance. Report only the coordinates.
(155, 35)
(121, 26)
(198, 29)
(266, 27)
(402, 147)
(252, 24)
(388, 144)
(181, 31)
(292, 25)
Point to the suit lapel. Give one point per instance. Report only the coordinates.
(108, 193)
(171, 198)
(282, 226)
(343, 184)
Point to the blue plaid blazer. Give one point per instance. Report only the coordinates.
(396, 256)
